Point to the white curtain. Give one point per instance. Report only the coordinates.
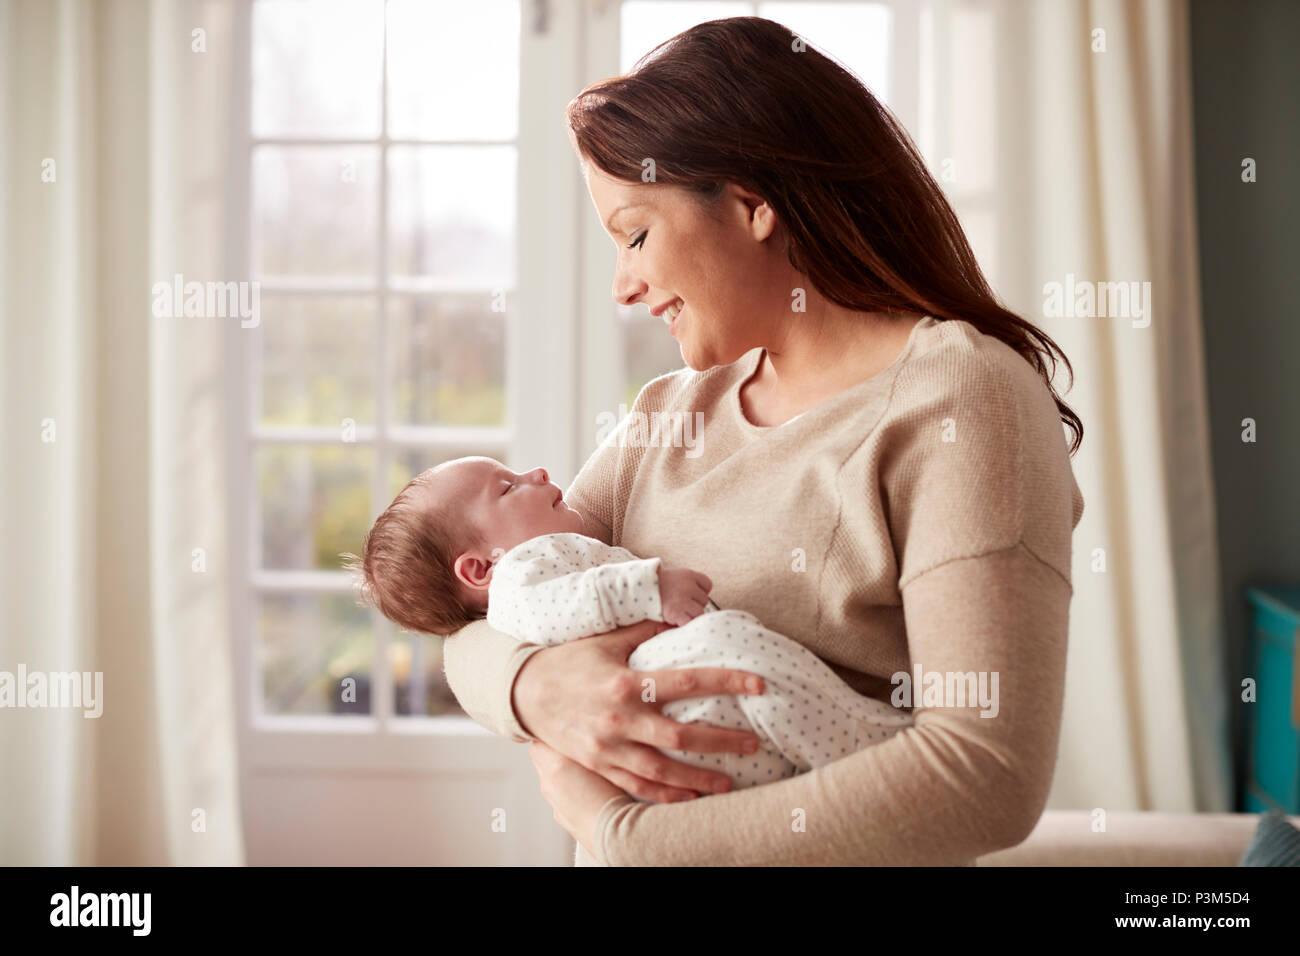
(1081, 116)
(112, 493)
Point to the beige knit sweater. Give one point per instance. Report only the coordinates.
(920, 519)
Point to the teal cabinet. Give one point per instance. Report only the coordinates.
(1272, 723)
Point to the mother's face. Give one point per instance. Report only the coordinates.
(724, 264)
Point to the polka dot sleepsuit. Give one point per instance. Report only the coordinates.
(561, 587)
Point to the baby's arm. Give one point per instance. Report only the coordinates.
(560, 587)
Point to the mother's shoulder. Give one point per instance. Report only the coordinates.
(952, 359)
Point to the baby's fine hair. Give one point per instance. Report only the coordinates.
(405, 567)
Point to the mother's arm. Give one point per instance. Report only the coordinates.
(481, 664)
(953, 787)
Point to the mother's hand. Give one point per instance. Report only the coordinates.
(582, 700)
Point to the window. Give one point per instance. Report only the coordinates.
(434, 284)
(382, 230)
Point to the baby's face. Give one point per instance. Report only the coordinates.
(508, 508)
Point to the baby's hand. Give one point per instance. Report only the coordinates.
(682, 594)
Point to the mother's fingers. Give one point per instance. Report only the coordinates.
(701, 682)
(669, 734)
(656, 776)
(646, 789)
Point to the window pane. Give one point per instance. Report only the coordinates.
(316, 359)
(315, 504)
(311, 644)
(447, 360)
(419, 686)
(316, 67)
(315, 210)
(452, 213)
(453, 69)
(409, 462)
(855, 34)
(647, 23)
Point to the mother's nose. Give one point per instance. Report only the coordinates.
(627, 288)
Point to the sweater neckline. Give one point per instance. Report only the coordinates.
(755, 360)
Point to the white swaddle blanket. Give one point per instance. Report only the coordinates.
(561, 587)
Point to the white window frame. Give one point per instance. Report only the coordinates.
(560, 341)
(541, 351)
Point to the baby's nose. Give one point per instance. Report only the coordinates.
(541, 473)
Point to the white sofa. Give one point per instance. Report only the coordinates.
(1133, 838)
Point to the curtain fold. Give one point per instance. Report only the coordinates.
(116, 514)
(1094, 153)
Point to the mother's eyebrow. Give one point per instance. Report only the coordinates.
(609, 223)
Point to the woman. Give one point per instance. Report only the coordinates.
(881, 474)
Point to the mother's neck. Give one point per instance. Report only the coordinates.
(821, 353)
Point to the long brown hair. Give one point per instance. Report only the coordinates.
(744, 100)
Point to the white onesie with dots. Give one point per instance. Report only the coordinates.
(561, 587)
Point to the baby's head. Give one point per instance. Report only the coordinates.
(427, 561)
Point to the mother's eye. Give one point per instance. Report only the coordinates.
(638, 240)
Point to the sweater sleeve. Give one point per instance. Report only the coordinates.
(480, 664)
(954, 786)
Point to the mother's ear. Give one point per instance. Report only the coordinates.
(757, 214)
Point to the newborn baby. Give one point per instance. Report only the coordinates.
(471, 538)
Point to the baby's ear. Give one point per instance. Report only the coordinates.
(464, 573)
